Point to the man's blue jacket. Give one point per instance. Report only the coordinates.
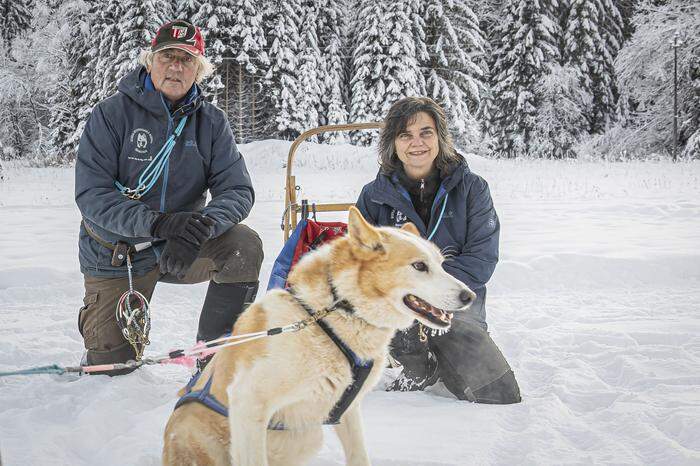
(467, 232)
(122, 135)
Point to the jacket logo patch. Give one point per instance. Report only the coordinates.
(141, 139)
(190, 143)
(492, 223)
(398, 217)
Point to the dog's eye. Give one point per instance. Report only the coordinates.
(420, 266)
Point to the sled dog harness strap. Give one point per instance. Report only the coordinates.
(359, 367)
(202, 396)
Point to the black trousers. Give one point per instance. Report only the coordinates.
(469, 363)
(234, 257)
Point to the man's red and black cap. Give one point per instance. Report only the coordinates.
(181, 35)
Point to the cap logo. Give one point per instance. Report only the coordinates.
(179, 31)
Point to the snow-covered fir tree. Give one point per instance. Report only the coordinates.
(105, 33)
(163, 12)
(526, 51)
(15, 17)
(310, 73)
(385, 63)
(246, 74)
(454, 75)
(591, 42)
(217, 19)
(188, 10)
(283, 18)
(645, 72)
(70, 46)
(560, 120)
(133, 35)
(333, 110)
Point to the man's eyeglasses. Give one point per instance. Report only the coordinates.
(168, 58)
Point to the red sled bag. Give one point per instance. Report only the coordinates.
(307, 236)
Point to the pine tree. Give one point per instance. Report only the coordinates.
(454, 76)
(309, 73)
(283, 38)
(188, 10)
(105, 32)
(385, 63)
(645, 71)
(592, 40)
(133, 35)
(163, 11)
(88, 77)
(525, 53)
(64, 100)
(15, 18)
(247, 71)
(217, 19)
(333, 109)
(560, 118)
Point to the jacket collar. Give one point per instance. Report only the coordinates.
(138, 86)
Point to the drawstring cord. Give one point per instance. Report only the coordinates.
(154, 170)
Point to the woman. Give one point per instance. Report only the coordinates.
(423, 180)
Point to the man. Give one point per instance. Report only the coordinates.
(147, 157)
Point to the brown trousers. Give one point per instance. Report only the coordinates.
(234, 257)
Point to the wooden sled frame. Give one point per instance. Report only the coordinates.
(293, 209)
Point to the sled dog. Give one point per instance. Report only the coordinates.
(386, 278)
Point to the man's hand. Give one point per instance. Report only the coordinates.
(178, 256)
(191, 227)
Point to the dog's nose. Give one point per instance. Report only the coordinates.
(466, 297)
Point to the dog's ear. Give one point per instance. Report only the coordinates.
(411, 228)
(365, 238)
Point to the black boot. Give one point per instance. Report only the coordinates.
(420, 366)
(224, 303)
(222, 306)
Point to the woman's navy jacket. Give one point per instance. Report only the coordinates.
(467, 232)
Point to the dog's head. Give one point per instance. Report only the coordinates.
(394, 276)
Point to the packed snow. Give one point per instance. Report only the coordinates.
(594, 304)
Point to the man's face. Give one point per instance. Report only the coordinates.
(173, 72)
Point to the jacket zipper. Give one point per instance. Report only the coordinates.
(166, 168)
(422, 188)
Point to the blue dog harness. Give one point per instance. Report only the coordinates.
(359, 367)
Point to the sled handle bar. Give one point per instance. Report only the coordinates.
(292, 208)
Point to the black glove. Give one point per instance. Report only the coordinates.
(189, 226)
(178, 256)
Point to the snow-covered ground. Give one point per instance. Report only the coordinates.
(594, 303)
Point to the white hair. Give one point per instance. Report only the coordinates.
(204, 66)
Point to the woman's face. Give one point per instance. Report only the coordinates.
(417, 146)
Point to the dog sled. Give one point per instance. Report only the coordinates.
(302, 231)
